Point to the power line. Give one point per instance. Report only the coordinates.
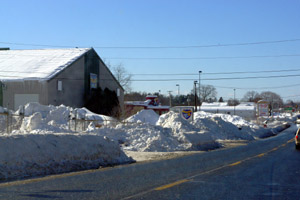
(290, 96)
(164, 80)
(192, 74)
(196, 74)
(8, 53)
(224, 78)
(258, 88)
(202, 58)
(161, 47)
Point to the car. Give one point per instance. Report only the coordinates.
(297, 139)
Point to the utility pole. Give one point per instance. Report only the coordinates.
(170, 98)
(195, 83)
(199, 91)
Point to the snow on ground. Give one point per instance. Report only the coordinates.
(27, 155)
(146, 116)
(45, 143)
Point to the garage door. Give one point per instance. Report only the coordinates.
(22, 99)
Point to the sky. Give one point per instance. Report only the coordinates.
(171, 37)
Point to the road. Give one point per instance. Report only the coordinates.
(263, 169)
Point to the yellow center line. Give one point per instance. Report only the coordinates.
(189, 179)
(234, 164)
(261, 155)
(274, 149)
(229, 165)
(291, 140)
(172, 184)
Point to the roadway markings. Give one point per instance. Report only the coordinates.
(172, 184)
(190, 179)
(234, 164)
(261, 155)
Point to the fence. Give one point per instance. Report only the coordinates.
(10, 122)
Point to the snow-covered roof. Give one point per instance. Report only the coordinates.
(42, 64)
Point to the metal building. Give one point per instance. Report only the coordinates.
(53, 77)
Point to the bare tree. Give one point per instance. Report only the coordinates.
(208, 93)
(274, 99)
(251, 96)
(123, 77)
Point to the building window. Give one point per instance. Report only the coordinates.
(118, 92)
(59, 85)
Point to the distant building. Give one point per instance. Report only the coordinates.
(53, 77)
(150, 103)
(246, 110)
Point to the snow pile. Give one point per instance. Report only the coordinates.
(56, 118)
(146, 116)
(172, 133)
(44, 143)
(26, 155)
(144, 137)
(214, 126)
(246, 128)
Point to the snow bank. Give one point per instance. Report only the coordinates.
(56, 118)
(44, 143)
(246, 128)
(40, 154)
(146, 116)
(214, 126)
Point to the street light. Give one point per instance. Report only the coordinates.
(195, 83)
(178, 88)
(199, 90)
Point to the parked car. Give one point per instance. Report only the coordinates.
(297, 139)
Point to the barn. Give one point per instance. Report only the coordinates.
(53, 77)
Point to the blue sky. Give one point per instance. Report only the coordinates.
(164, 23)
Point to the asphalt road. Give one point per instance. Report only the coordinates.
(264, 169)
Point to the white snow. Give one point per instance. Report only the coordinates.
(146, 116)
(45, 144)
(27, 155)
(40, 64)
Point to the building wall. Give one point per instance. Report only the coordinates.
(107, 80)
(73, 86)
(11, 88)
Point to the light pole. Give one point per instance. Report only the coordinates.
(195, 83)
(234, 101)
(199, 91)
(178, 88)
